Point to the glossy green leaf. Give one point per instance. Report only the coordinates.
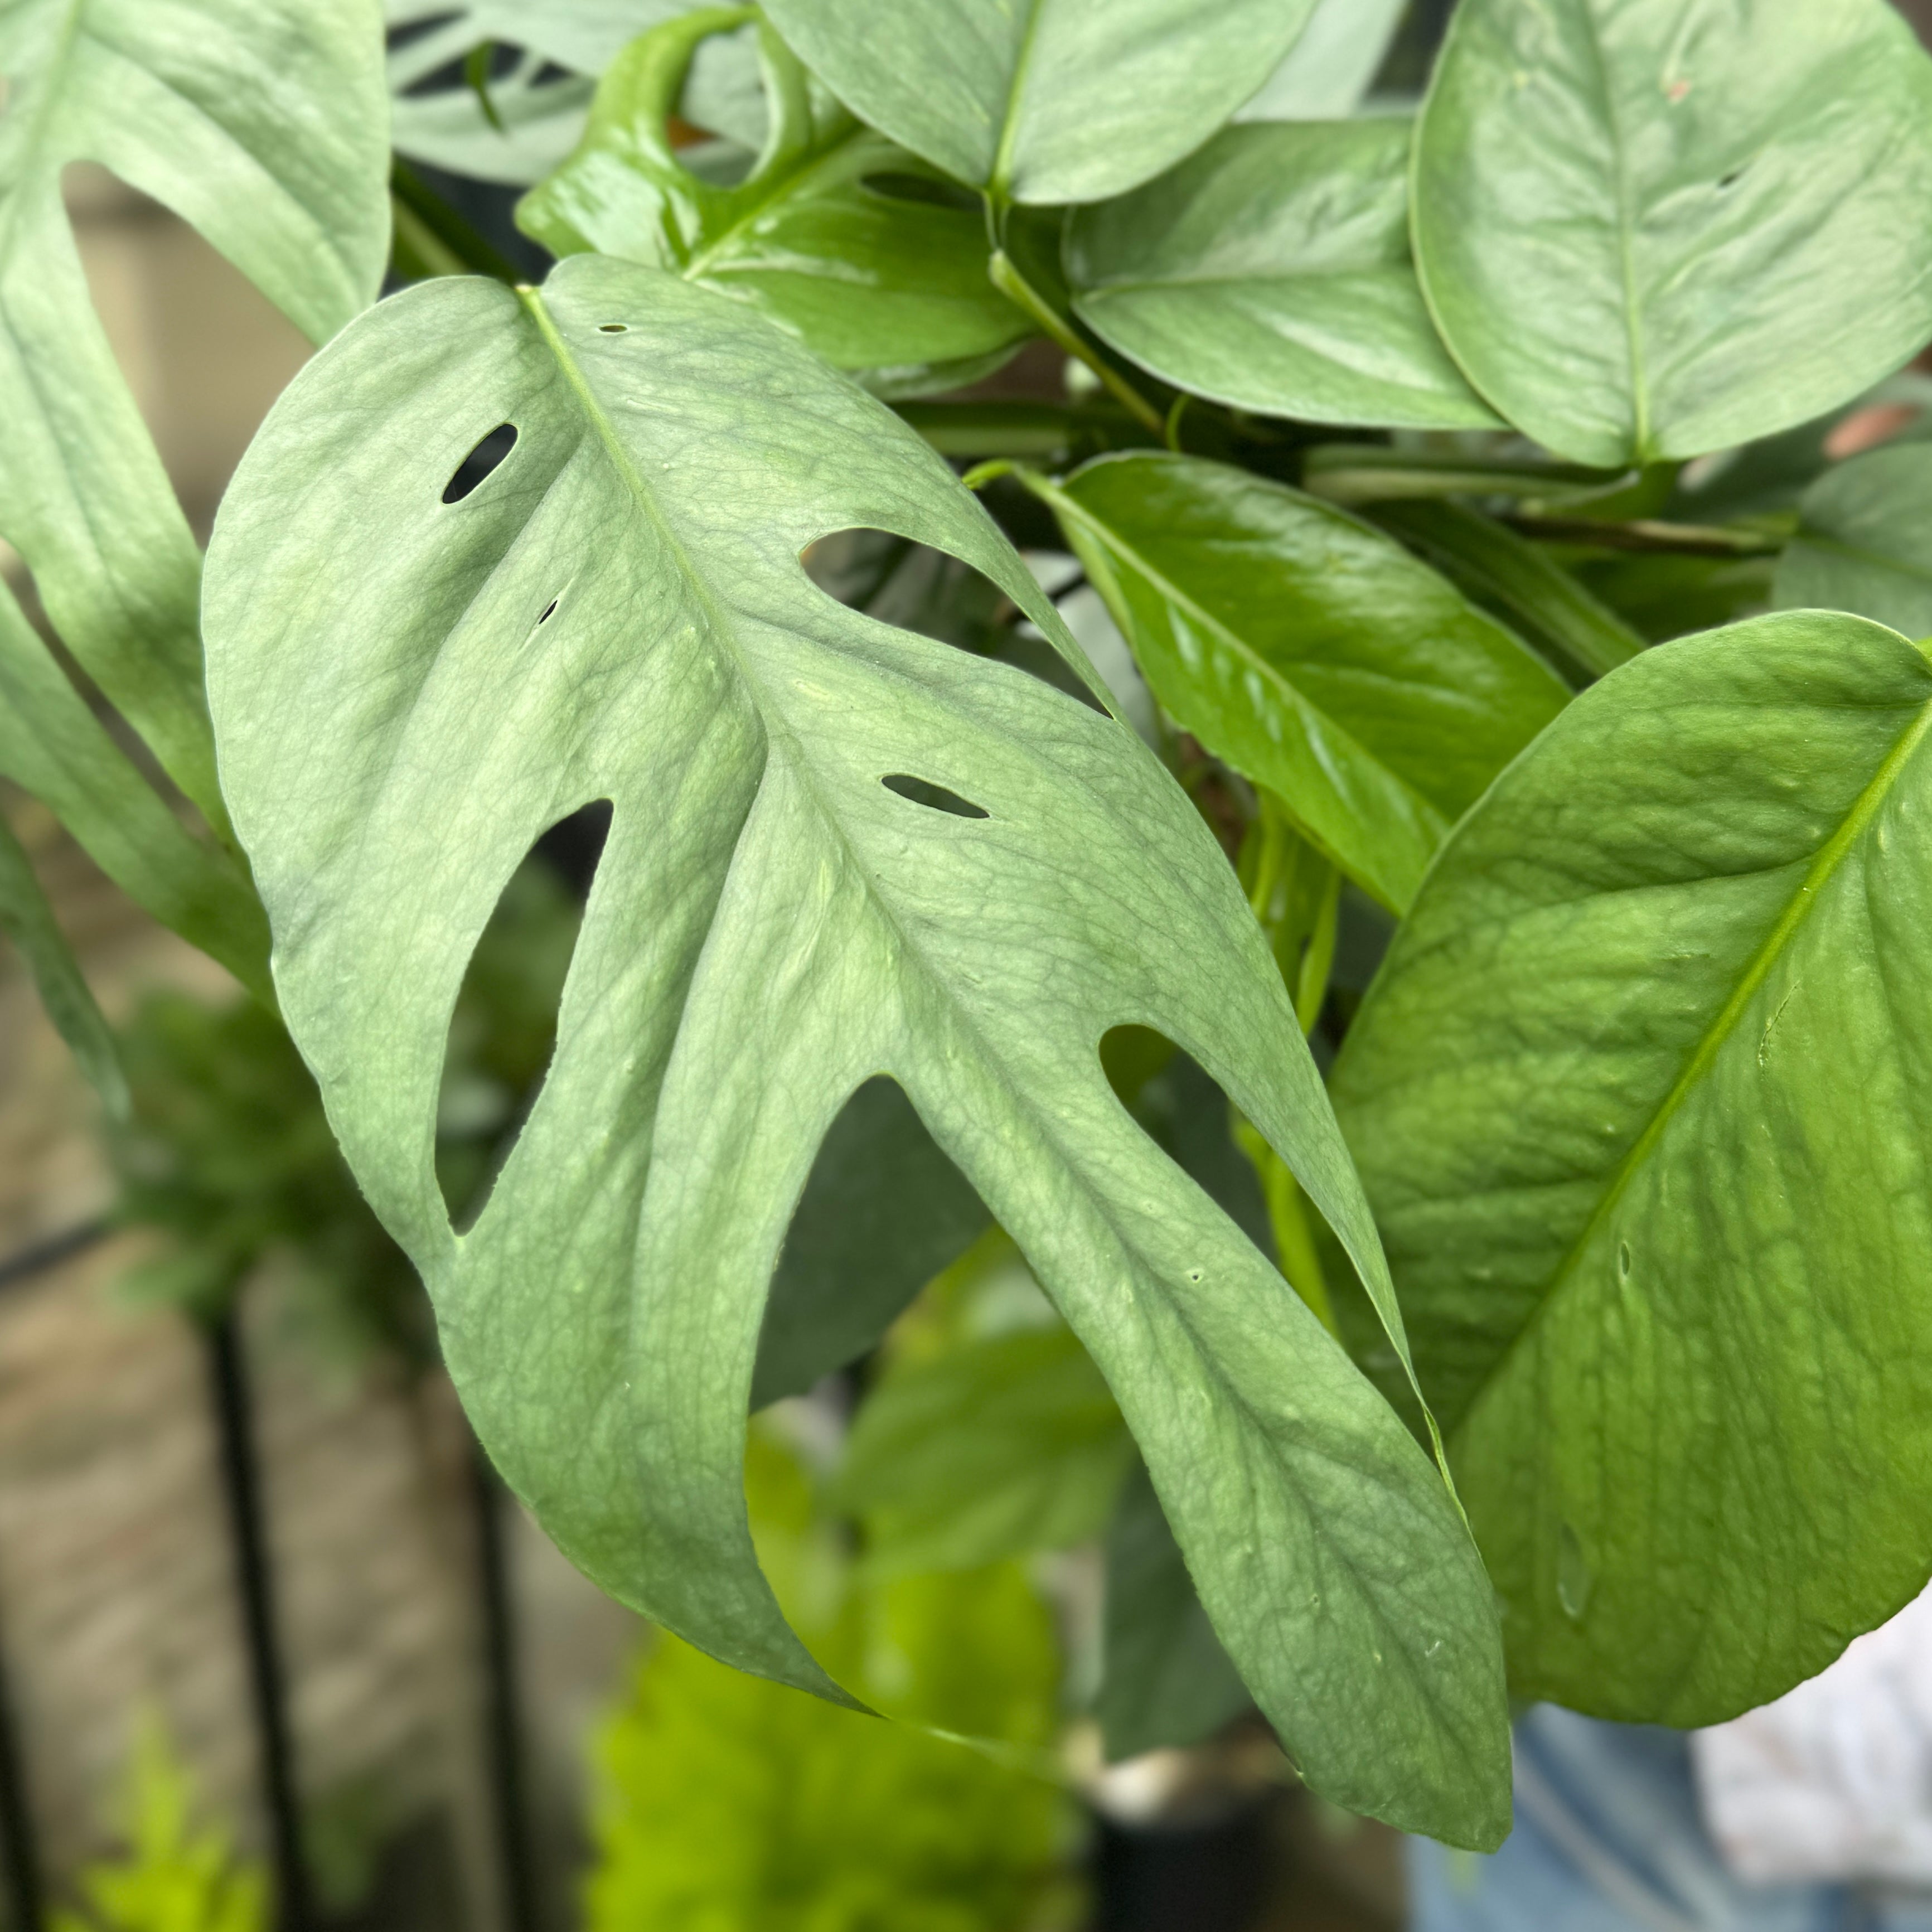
(259, 122)
(1309, 651)
(1328, 71)
(1640, 1097)
(1864, 541)
(1167, 1680)
(28, 921)
(52, 745)
(1652, 228)
(1003, 1446)
(1044, 101)
(848, 241)
(1271, 271)
(618, 611)
(884, 1212)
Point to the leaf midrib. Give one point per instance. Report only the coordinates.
(1878, 560)
(1820, 873)
(997, 178)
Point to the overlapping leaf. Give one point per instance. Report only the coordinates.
(1864, 541)
(1271, 270)
(1649, 229)
(260, 121)
(1044, 101)
(1311, 651)
(1640, 1099)
(1329, 70)
(845, 238)
(618, 611)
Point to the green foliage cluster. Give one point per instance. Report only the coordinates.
(725, 1801)
(1519, 829)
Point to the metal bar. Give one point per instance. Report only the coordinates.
(19, 1855)
(502, 1714)
(241, 1477)
(27, 1262)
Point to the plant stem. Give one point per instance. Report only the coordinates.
(1023, 295)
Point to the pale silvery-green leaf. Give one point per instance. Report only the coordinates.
(28, 921)
(583, 35)
(1640, 1096)
(1649, 229)
(1311, 651)
(1271, 271)
(1329, 70)
(262, 123)
(1044, 101)
(408, 691)
(1864, 541)
(821, 235)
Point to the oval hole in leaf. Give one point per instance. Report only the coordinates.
(937, 798)
(503, 1029)
(488, 455)
(614, 329)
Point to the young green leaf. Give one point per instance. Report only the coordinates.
(848, 241)
(1654, 229)
(28, 921)
(1271, 271)
(1050, 100)
(260, 121)
(1640, 1096)
(1167, 1682)
(409, 690)
(1864, 541)
(1003, 1446)
(1312, 653)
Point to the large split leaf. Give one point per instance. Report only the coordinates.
(1864, 541)
(28, 921)
(1313, 654)
(1329, 70)
(260, 121)
(1272, 271)
(1649, 228)
(1641, 1098)
(408, 691)
(847, 240)
(1044, 100)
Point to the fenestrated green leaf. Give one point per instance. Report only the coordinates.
(1005, 1445)
(884, 1212)
(1640, 1097)
(1044, 101)
(846, 239)
(618, 611)
(1271, 271)
(1650, 229)
(1864, 541)
(1315, 656)
(52, 745)
(28, 921)
(1329, 70)
(1167, 1682)
(261, 122)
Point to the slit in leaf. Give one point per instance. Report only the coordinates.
(486, 457)
(503, 1031)
(549, 609)
(614, 329)
(923, 791)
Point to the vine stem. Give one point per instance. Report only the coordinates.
(1021, 293)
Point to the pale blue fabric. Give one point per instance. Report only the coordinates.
(1608, 1839)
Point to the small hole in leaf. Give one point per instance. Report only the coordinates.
(486, 457)
(503, 1030)
(921, 791)
(549, 608)
(614, 328)
(1732, 179)
(1623, 1259)
(891, 185)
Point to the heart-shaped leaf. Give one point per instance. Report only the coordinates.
(408, 690)
(1271, 271)
(259, 122)
(850, 241)
(1640, 1096)
(1315, 656)
(1864, 541)
(1652, 228)
(1044, 101)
